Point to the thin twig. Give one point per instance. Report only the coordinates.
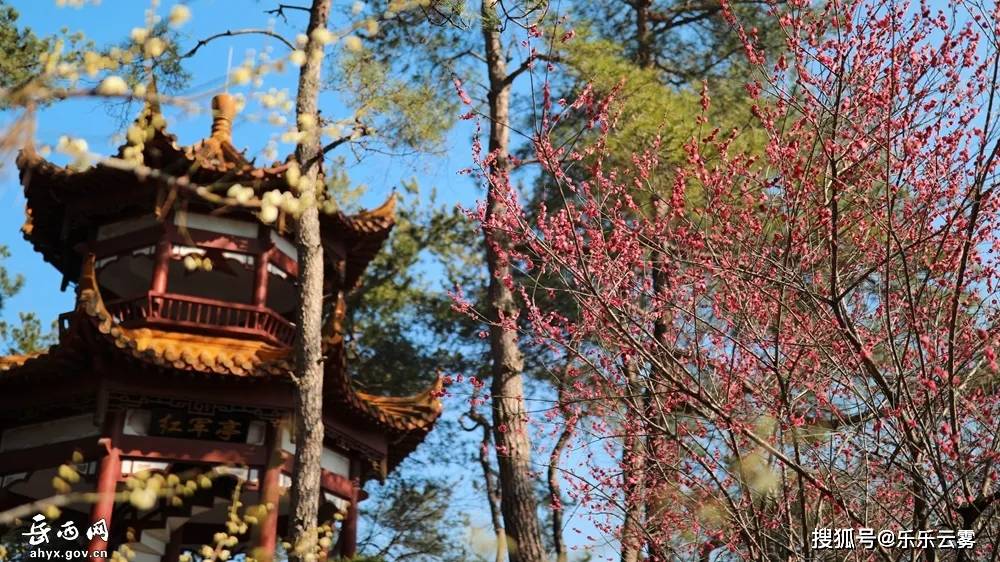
(280, 10)
(233, 33)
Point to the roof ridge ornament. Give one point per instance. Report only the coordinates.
(223, 112)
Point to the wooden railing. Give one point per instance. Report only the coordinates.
(173, 311)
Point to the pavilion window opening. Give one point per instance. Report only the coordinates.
(203, 271)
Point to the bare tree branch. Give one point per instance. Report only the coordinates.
(234, 32)
(280, 10)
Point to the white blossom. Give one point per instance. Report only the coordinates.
(352, 43)
(179, 15)
(113, 86)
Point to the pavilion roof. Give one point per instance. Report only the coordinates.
(13, 361)
(406, 419)
(64, 204)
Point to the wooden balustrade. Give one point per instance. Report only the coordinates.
(173, 311)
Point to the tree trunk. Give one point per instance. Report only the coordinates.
(643, 37)
(309, 317)
(635, 449)
(555, 489)
(492, 492)
(634, 467)
(518, 502)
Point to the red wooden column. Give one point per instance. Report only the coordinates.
(349, 528)
(260, 278)
(161, 264)
(108, 474)
(270, 493)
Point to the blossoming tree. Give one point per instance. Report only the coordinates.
(814, 324)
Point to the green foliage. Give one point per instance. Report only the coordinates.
(27, 336)
(400, 327)
(411, 519)
(167, 68)
(9, 286)
(646, 108)
(427, 44)
(401, 333)
(20, 49)
(26, 58)
(403, 111)
(683, 41)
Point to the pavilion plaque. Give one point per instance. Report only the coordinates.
(228, 427)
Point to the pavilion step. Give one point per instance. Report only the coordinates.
(141, 547)
(146, 557)
(155, 539)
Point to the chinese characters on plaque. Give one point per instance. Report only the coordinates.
(231, 428)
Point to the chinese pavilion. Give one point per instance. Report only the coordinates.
(163, 367)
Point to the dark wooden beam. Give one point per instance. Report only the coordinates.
(270, 394)
(189, 450)
(25, 395)
(49, 456)
(124, 244)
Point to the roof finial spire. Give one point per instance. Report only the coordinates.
(223, 111)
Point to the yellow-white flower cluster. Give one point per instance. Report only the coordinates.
(66, 476)
(278, 101)
(179, 15)
(94, 62)
(254, 68)
(270, 151)
(75, 148)
(298, 57)
(353, 43)
(274, 202)
(323, 36)
(242, 195)
(113, 86)
(193, 262)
